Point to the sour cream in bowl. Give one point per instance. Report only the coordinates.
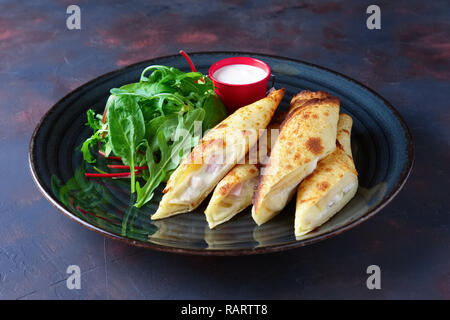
(240, 81)
(240, 74)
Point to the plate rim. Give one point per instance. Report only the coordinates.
(240, 251)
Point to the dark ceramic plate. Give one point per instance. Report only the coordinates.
(381, 143)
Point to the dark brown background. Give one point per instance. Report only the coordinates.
(406, 61)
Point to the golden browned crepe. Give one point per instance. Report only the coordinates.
(232, 195)
(235, 191)
(304, 96)
(216, 154)
(307, 135)
(330, 187)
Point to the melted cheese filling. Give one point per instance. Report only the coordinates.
(310, 216)
(199, 182)
(279, 199)
(239, 198)
(340, 195)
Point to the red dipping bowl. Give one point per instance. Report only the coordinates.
(235, 96)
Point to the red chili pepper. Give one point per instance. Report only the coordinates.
(191, 64)
(120, 166)
(110, 175)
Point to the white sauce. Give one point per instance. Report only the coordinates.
(240, 74)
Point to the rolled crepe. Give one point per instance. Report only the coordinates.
(304, 96)
(330, 187)
(235, 191)
(307, 135)
(232, 195)
(216, 154)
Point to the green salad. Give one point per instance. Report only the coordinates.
(149, 126)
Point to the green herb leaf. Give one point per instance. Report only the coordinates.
(169, 149)
(126, 130)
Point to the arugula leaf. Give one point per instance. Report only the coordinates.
(93, 121)
(99, 130)
(126, 130)
(89, 143)
(169, 154)
(144, 89)
(152, 126)
(215, 112)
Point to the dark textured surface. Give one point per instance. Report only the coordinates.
(406, 61)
